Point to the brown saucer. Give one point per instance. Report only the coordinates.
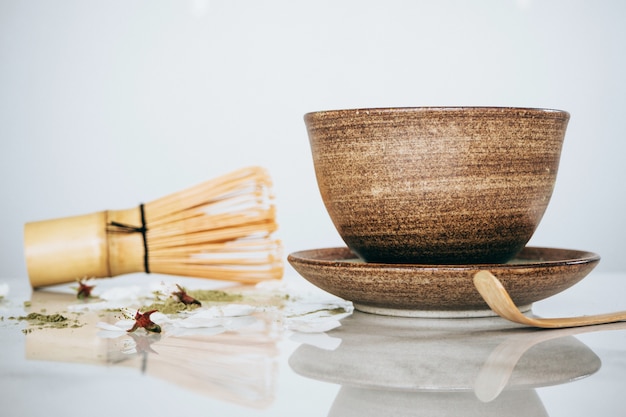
(413, 290)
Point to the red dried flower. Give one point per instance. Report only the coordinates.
(142, 320)
(84, 290)
(185, 298)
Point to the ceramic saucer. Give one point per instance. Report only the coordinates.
(413, 290)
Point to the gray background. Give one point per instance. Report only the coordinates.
(104, 105)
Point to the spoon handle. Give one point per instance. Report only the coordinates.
(562, 322)
(499, 300)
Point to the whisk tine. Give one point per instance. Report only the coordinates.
(220, 229)
(201, 221)
(209, 192)
(223, 273)
(219, 235)
(250, 247)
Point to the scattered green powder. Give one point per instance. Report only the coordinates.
(169, 306)
(56, 321)
(44, 318)
(173, 306)
(48, 321)
(214, 296)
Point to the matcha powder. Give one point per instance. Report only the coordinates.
(44, 318)
(173, 306)
(215, 296)
(40, 320)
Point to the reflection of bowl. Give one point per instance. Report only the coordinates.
(448, 185)
(440, 290)
(362, 402)
(409, 354)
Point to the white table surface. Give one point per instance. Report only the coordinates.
(370, 365)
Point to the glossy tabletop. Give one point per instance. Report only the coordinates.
(300, 351)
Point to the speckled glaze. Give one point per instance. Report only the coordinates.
(451, 185)
(440, 290)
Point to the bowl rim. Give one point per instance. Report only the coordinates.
(505, 110)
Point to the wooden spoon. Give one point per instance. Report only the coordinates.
(496, 296)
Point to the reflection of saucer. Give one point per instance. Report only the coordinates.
(433, 355)
(439, 290)
(360, 402)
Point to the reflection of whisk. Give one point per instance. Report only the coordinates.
(238, 366)
(220, 229)
(235, 367)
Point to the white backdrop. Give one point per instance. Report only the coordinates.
(107, 104)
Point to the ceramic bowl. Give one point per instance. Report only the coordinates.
(446, 185)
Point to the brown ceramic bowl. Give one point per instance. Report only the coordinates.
(445, 185)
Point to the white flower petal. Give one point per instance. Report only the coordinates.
(205, 314)
(231, 317)
(236, 310)
(200, 318)
(4, 290)
(197, 322)
(125, 324)
(121, 293)
(159, 318)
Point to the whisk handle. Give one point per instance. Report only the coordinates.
(67, 249)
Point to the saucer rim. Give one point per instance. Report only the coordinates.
(582, 257)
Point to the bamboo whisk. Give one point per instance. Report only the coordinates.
(220, 229)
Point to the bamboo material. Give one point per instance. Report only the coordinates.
(496, 296)
(220, 229)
